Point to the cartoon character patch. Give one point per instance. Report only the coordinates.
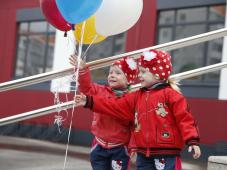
(160, 163)
(161, 110)
(116, 165)
(136, 123)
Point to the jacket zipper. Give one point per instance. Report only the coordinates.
(147, 132)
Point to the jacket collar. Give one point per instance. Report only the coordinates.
(158, 85)
(120, 92)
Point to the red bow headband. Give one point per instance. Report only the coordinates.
(158, 63)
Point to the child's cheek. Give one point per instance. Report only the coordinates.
(144, 75)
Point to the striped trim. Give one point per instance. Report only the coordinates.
(194, 141)
(107, 144)
(157, 151)
(93, 147)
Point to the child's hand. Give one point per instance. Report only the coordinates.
(197, 151)
(73, 61)
(80, 100)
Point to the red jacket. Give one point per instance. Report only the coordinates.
(109, 130)
(163, 123)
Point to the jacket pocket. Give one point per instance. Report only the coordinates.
(164, 134)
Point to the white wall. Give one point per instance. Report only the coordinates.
(64, 47)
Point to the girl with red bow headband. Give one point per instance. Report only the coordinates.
(163, 123)
(112, 135)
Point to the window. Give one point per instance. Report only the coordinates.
(181, 23)
(35, 48)
(111, 46)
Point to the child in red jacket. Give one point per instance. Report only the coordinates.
(112, 134)
(162, 119)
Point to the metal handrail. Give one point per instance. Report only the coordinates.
(198, 71)
(70, 104)
(14, 84)
(35, 113)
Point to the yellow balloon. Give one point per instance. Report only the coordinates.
(90, 34)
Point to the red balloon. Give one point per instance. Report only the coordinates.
(53, 16)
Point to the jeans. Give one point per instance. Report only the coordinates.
(109, 159)
(158, 163)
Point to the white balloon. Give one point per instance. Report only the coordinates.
(116, 16)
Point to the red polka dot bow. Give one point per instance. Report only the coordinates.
(158, 63)
(129, 67)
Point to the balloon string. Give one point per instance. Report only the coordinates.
(74, 46)
(67, 146)
(76, 88)
(92, 42)
(74, 42)
(70, 128)
(81, 40)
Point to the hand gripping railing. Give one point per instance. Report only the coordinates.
(108, 61)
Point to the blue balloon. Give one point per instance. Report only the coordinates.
(76, 11)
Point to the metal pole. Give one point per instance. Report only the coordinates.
(67, 105)
(108, 61)
(199, 71)
(35, 113)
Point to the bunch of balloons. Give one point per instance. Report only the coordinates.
(103, 17)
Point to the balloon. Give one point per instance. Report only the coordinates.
(90, 34)
(76, 11)
(53, 16)
(117, 16)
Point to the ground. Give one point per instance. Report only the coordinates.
(28, 154)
